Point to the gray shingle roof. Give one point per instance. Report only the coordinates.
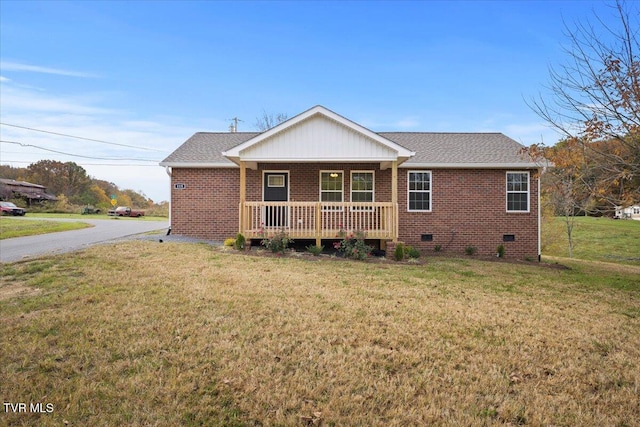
(207, 148)
(431, 148)
(459, 148)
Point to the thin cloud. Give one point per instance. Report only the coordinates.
(15, 66)
(20, 100)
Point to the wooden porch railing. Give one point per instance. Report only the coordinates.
(318, 220)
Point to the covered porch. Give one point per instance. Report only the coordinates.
(342, 176)
(319, 220)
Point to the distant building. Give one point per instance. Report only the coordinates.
(32, 193)
(630, 212)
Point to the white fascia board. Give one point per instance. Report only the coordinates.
(235, 152)
(321, 160)
(197, 165)
(516, 166)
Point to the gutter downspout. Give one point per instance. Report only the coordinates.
(540, 171)
(167, 169)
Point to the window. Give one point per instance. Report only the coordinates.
(331, 185)
(275, 181)
(361, 187)
(419, 188)
(517, 191)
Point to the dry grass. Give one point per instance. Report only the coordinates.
(174, 334)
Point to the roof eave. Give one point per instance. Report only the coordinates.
(495, 165)
(196, 165)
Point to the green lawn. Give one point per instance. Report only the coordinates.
(20, 227)
(595, 239)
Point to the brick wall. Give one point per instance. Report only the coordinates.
(468, 206)
(208, 205)
(469, 209)
(304, 179)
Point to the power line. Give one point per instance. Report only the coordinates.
(78, 155)
(80, 137)
(86, 164)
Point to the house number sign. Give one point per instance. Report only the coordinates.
(179, 186)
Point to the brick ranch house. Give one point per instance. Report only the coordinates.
(319, 172)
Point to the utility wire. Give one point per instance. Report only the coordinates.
(78, 155)
(80, 137)
(85, 164)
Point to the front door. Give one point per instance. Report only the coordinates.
(276, 189)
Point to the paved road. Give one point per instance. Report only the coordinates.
(103, 230)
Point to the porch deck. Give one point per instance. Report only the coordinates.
(318, 220)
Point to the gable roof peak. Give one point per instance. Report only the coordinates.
(236, 153)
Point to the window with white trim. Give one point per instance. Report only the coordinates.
(419, 191)
(362, 186)
(517, 191)
(331, 186)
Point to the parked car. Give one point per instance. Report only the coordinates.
(89, 210)
(9, 208)
(125, 211)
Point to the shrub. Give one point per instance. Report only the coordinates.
(240, 242)
(412, 252)
(353, 245)
(63, 205)
(437, 248)
(500, 251)
(230, 241)
(315, 249)
(470, 250)
(278, 243)
(398, 253)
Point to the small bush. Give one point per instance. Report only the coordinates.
(412, 252)
(278, 243)
(437, 248)
(230, 242)
(353, 245)
(500, 251)
(357, 249)
(470, 250)
(398, 253)
(315, 249)
(240, 242)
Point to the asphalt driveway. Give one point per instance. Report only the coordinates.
(103, 230)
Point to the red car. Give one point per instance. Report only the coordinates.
(9, 208)
(125, 211)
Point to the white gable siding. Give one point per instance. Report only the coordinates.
(318, 138)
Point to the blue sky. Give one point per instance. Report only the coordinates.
(147, 75)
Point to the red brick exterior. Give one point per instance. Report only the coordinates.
(208, 205)
(468, 206)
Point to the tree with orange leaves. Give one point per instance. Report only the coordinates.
(595, 104)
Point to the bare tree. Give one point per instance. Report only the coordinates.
(564, 182)
(595, 101)
(268, 120)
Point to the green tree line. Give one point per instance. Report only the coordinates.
(73, 186)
